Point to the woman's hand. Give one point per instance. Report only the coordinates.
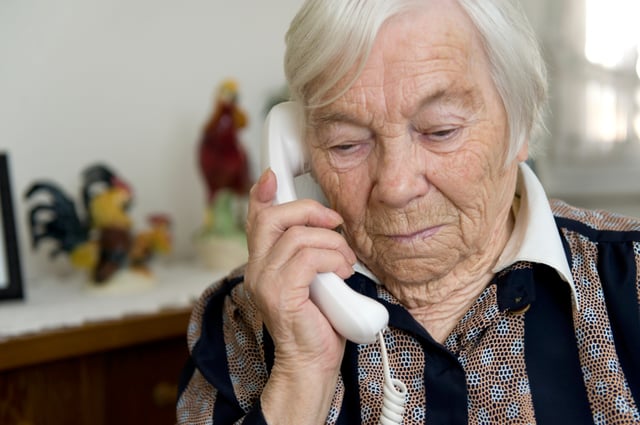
(288, 245)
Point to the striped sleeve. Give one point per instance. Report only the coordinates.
(225, 374)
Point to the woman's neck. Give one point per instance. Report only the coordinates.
(439, 304)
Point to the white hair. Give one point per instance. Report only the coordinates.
(328, 39)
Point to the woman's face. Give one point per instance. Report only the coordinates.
(413, 154)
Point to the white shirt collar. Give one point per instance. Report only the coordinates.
(535, 237)
(362, 269)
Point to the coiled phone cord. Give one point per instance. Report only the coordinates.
(394, 391)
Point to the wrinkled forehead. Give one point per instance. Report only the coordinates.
(442, 34)
(438, 36)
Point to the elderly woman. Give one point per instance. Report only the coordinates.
(503, 307)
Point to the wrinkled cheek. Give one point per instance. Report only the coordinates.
(359, 240)
(473, 198)
(351, 205)
(348, 195)
(328, 182)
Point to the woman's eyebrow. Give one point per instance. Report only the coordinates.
(462, 97)
(332, 117)
(465, 98)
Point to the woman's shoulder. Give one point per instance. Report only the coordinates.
(225, 300)
(595, 223)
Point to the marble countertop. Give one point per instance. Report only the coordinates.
(59, 302)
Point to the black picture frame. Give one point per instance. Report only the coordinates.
(10, 269)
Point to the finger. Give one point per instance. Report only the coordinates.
(267, 225)
(297, 238)
(322, 261)
(264, 191)
(261, 196)
(291, 287)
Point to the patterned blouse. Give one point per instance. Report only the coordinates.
(535, 347)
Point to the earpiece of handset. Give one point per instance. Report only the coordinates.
(282, 148)
(353, 315)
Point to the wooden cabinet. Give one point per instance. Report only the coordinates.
(120, 372)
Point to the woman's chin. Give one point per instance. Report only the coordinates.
(412, 270)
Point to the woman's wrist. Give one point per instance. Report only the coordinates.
(298, 397)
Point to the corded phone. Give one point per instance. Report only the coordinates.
(356, 317)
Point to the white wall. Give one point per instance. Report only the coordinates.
(129, 82)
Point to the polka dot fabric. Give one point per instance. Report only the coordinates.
(406, 356)
(636, 250)
(607, 388)
(195, 406)
(489, 344)
(596, 219)
(609, 393)
(244, 346)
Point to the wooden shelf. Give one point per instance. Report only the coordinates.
(122, 372)
(71, 356)
(92, 338)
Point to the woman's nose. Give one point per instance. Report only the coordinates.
(400, 175)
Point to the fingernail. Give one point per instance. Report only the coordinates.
(264, 176)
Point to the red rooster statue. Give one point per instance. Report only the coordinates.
(223, 161)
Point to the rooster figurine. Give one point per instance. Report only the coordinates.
(99, 243)
(223, 161)
(155, 240)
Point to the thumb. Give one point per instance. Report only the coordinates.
(264, 191)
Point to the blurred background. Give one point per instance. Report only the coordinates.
(592, 150)
(132, 82)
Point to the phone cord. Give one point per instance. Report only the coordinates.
(394, 392)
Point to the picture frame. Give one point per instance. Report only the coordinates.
(10, 267)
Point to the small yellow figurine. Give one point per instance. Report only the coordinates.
(156, 240)
(103, 242)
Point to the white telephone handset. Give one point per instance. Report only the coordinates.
(355, 316)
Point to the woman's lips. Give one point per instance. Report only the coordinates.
(418, 235)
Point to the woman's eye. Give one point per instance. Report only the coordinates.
(441, 138)
(349, 147)
(344, 148)
(442, 134)
(347, 155)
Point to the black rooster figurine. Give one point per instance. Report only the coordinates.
(102, 241)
